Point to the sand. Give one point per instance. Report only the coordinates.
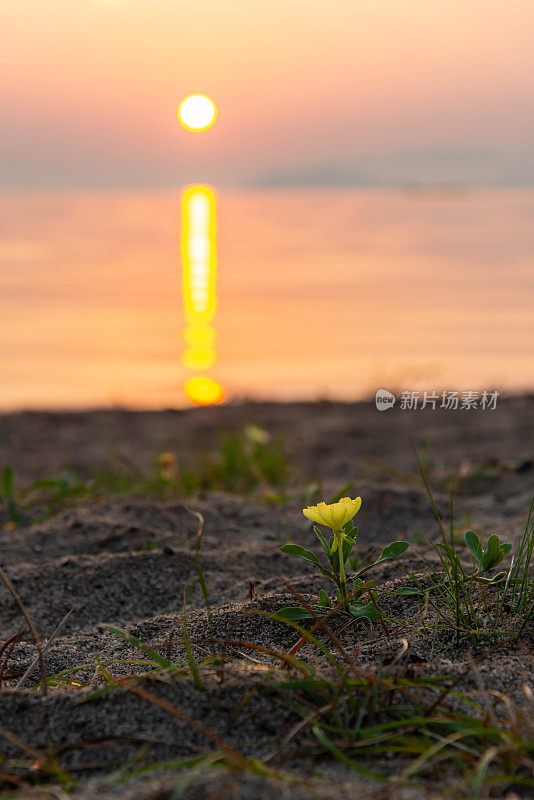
(127, 562)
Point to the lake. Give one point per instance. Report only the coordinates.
(316, 294)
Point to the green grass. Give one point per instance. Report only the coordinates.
(519, 582)
(433, 732)
(388, 722)
(248, 462)
(473, 601)
(244, 462)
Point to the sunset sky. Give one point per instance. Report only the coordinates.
(308, 92)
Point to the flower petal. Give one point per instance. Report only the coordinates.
(334, 515)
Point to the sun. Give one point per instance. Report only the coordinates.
(204, 391)
(197, 112)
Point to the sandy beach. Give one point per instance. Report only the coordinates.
(126, 560)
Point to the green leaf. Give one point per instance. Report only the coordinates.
(327, 573)
(324, 543)
(450, 552)
(490, 558)
(127, 637)
(409, 591)
(350, 537)
(324, 599)
(474, 544)
(350, 531)
(295, 613)
(368, 611)
(306, 555)
(498, 578)
(493, 554)
(7, 482)
(393, 550)
(300, 552)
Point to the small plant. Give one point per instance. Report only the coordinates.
(57, 491)
(519, 585)
(350, 588)
(462, 603)
(486, 560)
(247, 461)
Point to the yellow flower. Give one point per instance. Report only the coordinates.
(334, 515)
(168, 467)
(256, 435)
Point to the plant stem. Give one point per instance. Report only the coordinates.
(342, 576)
(29, 622)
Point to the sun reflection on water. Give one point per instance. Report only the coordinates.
(204, 391)
(199, 288)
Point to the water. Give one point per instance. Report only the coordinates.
(320, 294)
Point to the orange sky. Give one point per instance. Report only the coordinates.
(308, 91)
